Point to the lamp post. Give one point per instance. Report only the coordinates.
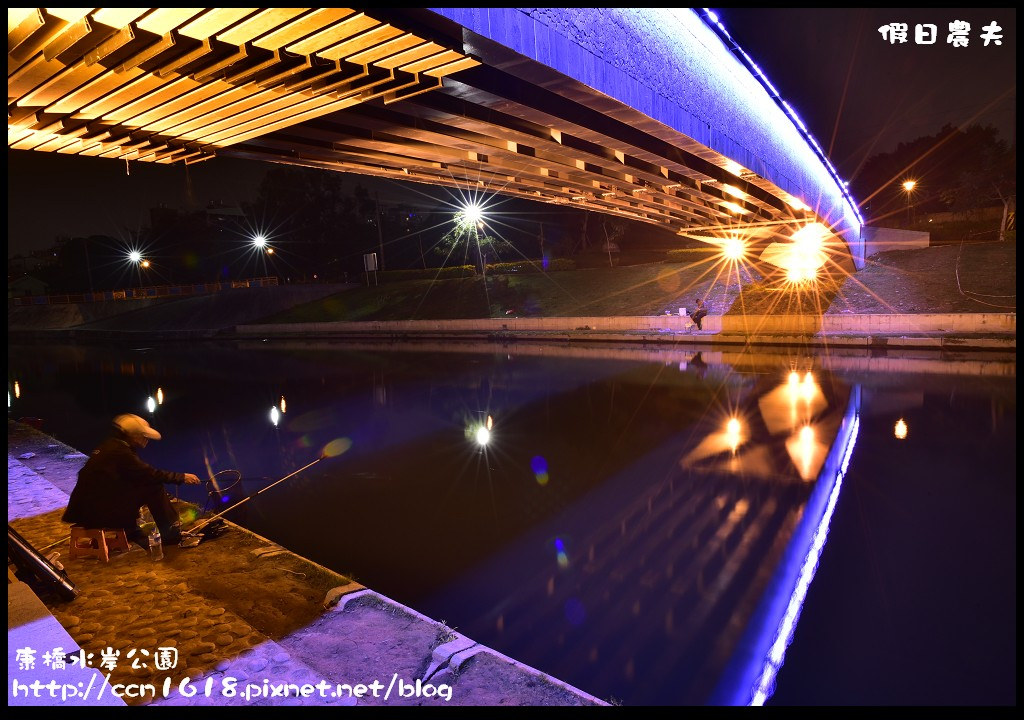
(260, 246)
(909, 186)
(470, 220)
(134, 257)
(88, 265)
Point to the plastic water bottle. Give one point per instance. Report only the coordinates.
(156, 545)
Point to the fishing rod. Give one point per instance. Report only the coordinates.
(207, 521)
(234, 478)
(30, 561)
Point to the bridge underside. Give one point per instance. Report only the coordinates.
(389, 93)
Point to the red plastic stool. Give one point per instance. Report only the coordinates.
(97, 542)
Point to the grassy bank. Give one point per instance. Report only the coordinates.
(649, 289)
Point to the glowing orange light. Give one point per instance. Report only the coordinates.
(900, 430)
(145, 263)
(733, 207)
(282, 405)
(734, 167)
(732, 434)
(810, 238)
(17, 389)
(805, 451)
(159, 396)
(733, 248)
(807, 387)
(801, 274)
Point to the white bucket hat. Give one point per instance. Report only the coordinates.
(134, 425)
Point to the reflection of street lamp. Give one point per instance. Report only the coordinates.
(909, 186)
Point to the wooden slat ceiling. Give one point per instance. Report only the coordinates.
(340, 89)
(178, 84)
(481, 132)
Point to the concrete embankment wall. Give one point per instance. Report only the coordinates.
(981, 323)
(235, 313)
(68, 315)
(200, 313)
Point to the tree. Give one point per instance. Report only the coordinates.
(320, 227)
(584, 237)
(81, 264)
(945, 166)
(614, 228)
(990, 178)
(469, 231)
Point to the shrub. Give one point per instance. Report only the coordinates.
(445, 273)
(687, 255)
(531, 266)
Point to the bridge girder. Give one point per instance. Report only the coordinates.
(387, 93)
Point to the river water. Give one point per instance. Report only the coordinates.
(654, 526)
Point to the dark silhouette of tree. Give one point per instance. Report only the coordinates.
(990, 177)
(84, 264)
(320, 228)
(614, 228)
(469, 236)
(944, 165)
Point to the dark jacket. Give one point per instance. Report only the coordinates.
(113, 484)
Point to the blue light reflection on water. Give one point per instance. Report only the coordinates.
(612, 574)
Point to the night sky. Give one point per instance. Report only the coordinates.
(857, 93)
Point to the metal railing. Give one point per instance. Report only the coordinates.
(141, 293)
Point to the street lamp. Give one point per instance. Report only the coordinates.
(470, 221)
(909, 186)
(136, 259)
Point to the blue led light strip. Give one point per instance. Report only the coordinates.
(712, 21)
(784, 636)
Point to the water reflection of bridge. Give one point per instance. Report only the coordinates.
(664, 588)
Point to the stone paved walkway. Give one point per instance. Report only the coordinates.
(247, 619)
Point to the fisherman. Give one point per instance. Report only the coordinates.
(699, 313)
(115, 483)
